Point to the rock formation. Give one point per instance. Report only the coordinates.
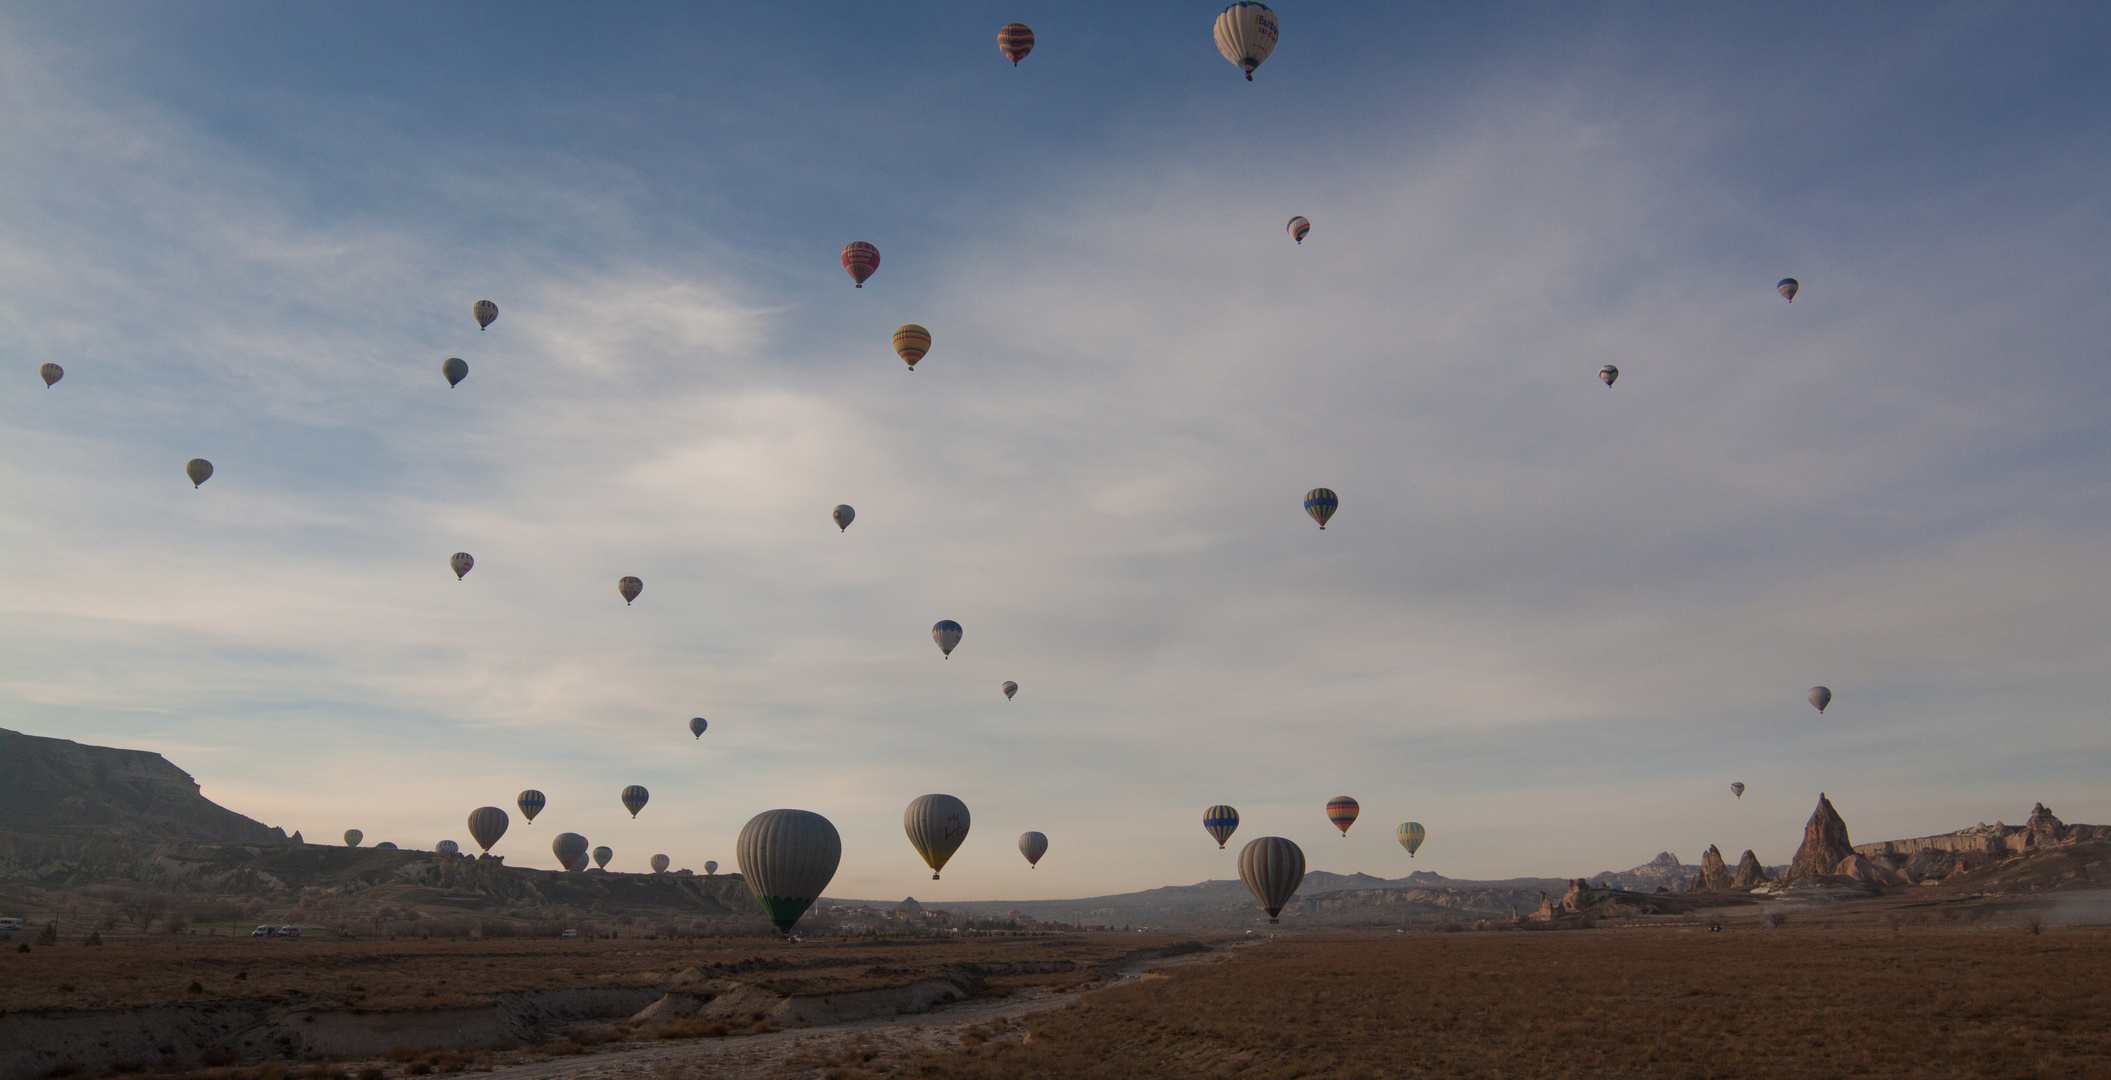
(60, 786)
(1750, 875)
(1715, 874)
(1825, 843)
(1865, 869)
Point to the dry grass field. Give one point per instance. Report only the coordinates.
(415, 974)
(1878, 1002)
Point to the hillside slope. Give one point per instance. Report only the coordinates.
(61, 786)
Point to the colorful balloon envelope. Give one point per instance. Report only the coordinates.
(634, 798)
(1321, 504)
(1410, 835)
(51, 373)
(447, 847)
(199, 470)
(660, 863)
(1298, 227)
(602, 855)
(860, 259)
(570, 849)
(1272, 869)
(936, 825)
(946, 633)
(486, 825)
(1010, 688)
(843, 516)
(911, 342)
(1788, 287)
(1033, 845)
(1609, 374)
(630, 587)
(1246, 34)
(1342, 811)
(461, 562)
(486, 313)
(1015, 41)
(1737, 788)
(697, 724)
(530, 802)
(454, 369)
(353, 837)
(1220, 822)
(788, 857)
(1820, 697)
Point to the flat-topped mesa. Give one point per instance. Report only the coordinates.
(1715, 874)
(1825, 843)
(1750, 875)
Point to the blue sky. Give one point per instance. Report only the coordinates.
(1552, 621)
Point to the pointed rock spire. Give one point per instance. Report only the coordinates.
(1825, 843)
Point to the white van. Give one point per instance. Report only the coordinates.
(289, 931)
(264, 931)
(10, 924)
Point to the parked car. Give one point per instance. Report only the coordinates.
(289, 931)
(569, 933)
(10, 924)
(264, 931)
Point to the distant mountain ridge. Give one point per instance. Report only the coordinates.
(57, 785)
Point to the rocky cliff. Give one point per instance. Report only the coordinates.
(1750, 875)
(1825, 844)
(1715, 873)
(59, 786)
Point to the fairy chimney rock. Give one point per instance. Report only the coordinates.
(1825, 843)
(1750, 875)
(2045, 829)
(1715, 874)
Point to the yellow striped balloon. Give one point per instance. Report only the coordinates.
(1410, 836)
(911, 342)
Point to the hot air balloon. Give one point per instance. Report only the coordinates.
(660, 864)
(199, 470)
(1321, 504)
(1737, 788)
(52, 373)
(1010, 688)
(860, 259)
(385, 845)
(454, 369)
(787, 857)
(485, 312)
(1609, 374)
(697, 724)
(634, 799)
(570, 849)
(1820, 697)
(1788, 288)
(1246, 34)
(911, 342)
(844, 515)
(1298, 227)
(1342, 811)
(1272, 869)
(630, 587)
(462, 562)
(1410, 835)
(1015, 41)
(936, 825)
(1220, 822)
(353, 837)
(946, 633)
(447, 847)
(488, 823)
(530, 804)
(1033, 845)
(710, 867)
(602, 855)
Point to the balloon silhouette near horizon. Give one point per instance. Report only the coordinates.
(788, 857)
(660, 863)
(602, 855)
(1272, 869)
(1033, 845)
(353, 837)
(570, 849)
(1342, 811)
(530, 803)
(937, 825)
(486, 825)
(634, 799)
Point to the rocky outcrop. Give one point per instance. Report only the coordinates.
(1665, 870)
(1715, 874)
(1825, 843)
(60, 786)
(1750, 875)
(1868, 871)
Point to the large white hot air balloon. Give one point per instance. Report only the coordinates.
(1246, 34)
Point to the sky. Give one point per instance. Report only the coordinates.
(1552, 621)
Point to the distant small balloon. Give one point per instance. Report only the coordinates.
(486, 825)
(860, 259)
(1342, 811)
(1033, 845)
(844, 515)
(710, 867)
(1820, 697)
(1220, 822)
(353, 837)
(1410, 835)
(660, 863)
(531, 803)
(485, 312)
(602, 855)
(461, 562)
(52, 373)
(911, 342)
(1298, 227)
(1609, 374)
(455, 369)
(697, 724)
(385, 845)
(447, 847)
(1737, 788)
(1015, 41)
(630, 587)
(1788, 289)
(634, 799)
(199, 470)
(570, 849)
(947, 634)
(1010, 688)
(1321, 504)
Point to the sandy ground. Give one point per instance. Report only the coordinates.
(756, 1057)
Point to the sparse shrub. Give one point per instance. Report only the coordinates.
(50, 936)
